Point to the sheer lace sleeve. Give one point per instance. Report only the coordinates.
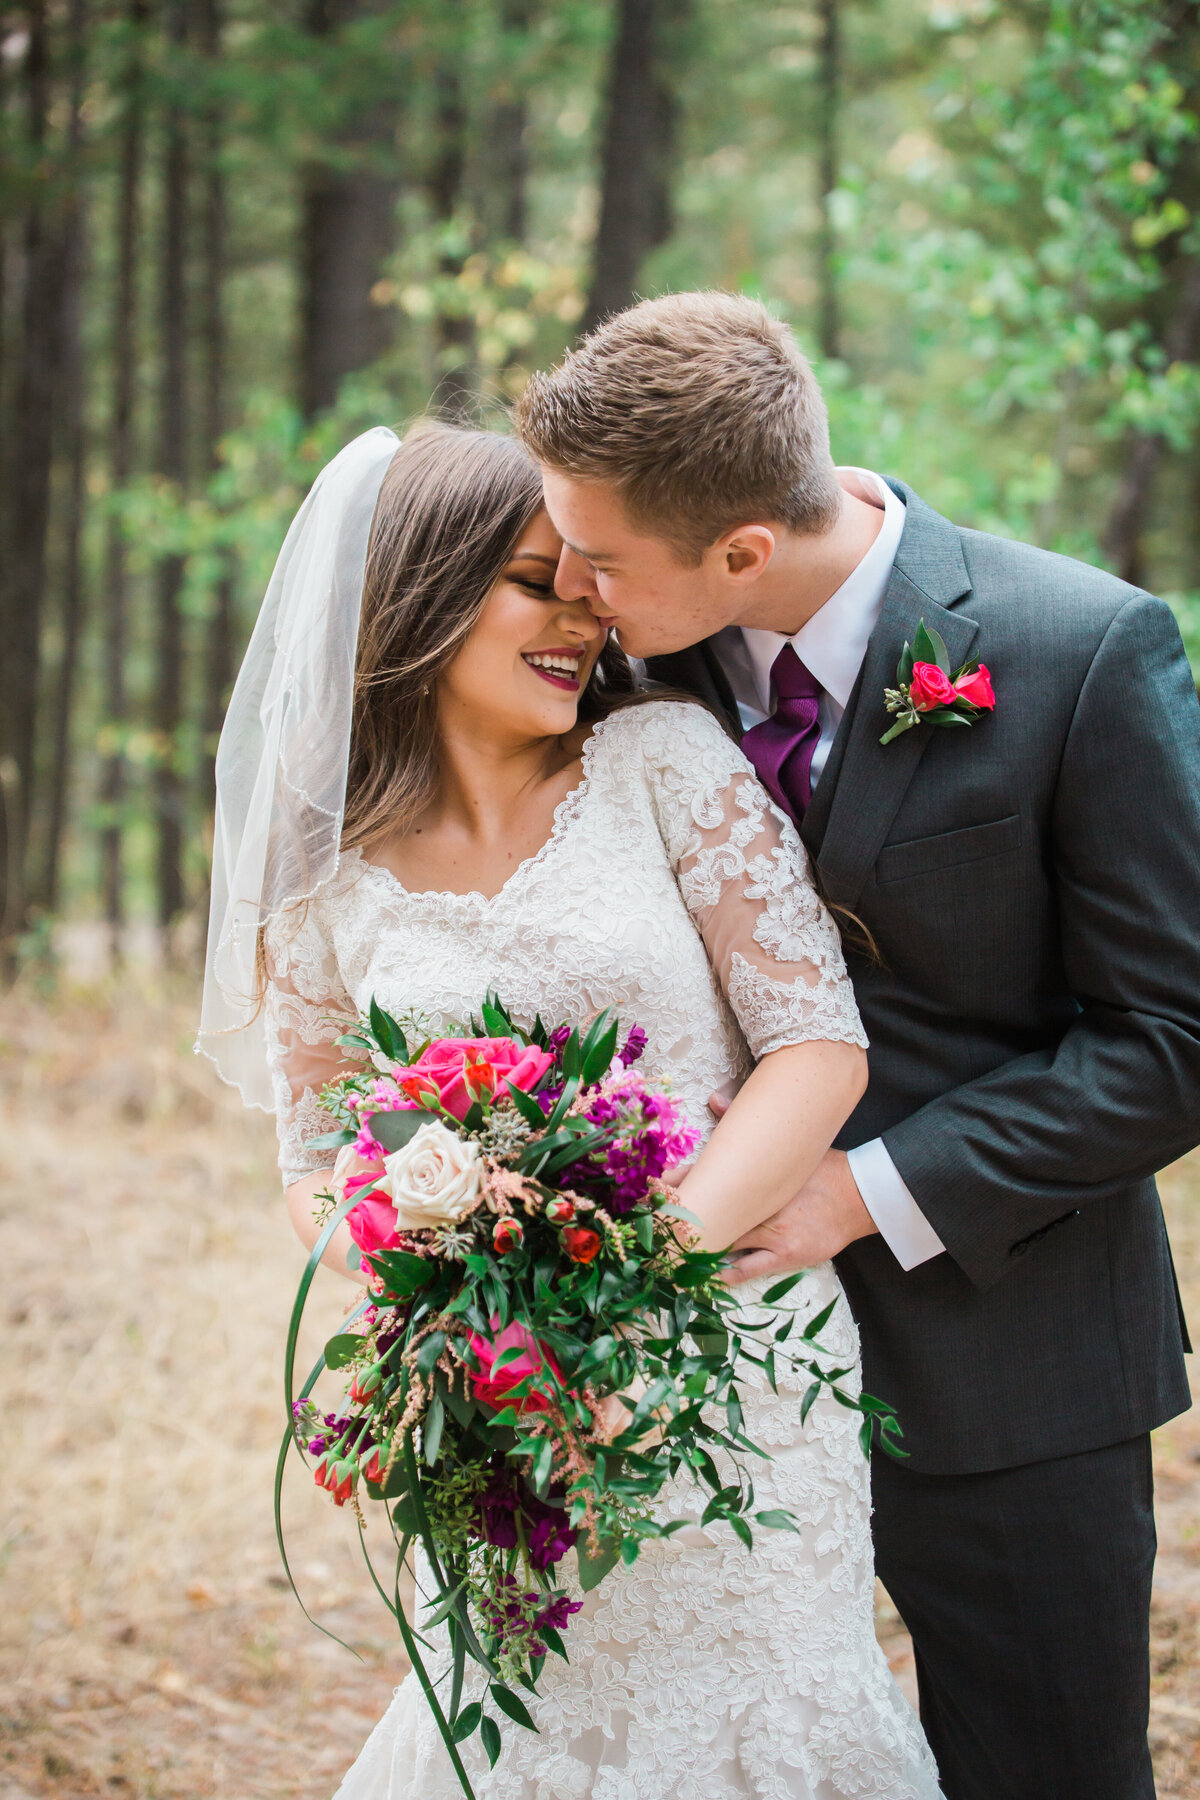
(745, 879)
(306, 1008)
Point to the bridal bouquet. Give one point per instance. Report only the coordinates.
(542, 1346)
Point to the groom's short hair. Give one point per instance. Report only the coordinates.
(700, 409)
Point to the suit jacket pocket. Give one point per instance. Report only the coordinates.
(928, 855)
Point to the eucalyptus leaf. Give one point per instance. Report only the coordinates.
(392, 1130)
(342, 1349)
(467, 1721)
(593, 1569)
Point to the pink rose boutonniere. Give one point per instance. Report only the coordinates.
(926, 691)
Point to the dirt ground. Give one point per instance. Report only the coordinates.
(149, 1648)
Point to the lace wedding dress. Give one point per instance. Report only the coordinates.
(672, 890)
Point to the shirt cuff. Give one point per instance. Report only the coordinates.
(902, 1225)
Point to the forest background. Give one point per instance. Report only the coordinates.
(235, 233)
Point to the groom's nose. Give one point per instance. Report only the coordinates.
(573, 579)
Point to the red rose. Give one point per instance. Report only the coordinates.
(976, 688)
(507, 1234)
(447, 1059)
(930, 687)
(561, 1211)
(581, 1245)
(494, 1389)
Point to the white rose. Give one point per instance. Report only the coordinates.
(434, 1179)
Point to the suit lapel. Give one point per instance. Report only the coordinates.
(864, 781)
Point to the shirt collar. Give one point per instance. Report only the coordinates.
(833, 643)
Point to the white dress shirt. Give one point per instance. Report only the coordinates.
(832, 645)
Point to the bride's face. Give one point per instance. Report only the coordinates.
(529, 658)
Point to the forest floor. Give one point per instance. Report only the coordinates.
(149, 1648)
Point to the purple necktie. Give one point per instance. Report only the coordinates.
(781, 748)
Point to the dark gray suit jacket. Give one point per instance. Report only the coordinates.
(1033, 885)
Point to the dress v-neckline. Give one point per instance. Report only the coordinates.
(565, 815)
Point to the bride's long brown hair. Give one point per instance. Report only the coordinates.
(451, 510)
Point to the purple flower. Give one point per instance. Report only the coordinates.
(550, 1537)
(557, 1615)
(558, 1038)
(635, 1046)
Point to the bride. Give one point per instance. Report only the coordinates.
(435, 780)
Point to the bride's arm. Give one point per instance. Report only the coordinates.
(306, 1008)
(744, 877)
(772, 1137)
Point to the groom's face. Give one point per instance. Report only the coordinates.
(637, 585)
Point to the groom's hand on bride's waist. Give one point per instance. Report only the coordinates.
(826, 1215)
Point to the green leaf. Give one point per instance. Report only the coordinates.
(643, 1225)
(435, 1419)
(403, 1273)
(392, 1130)
(553, 1641)
(466, 1722)
(496, 1022)
(929, 646)
(904, 667)
(430, 1350)
(601, 1053)
(809, 1400)
(742, 1530)
(332, 1140)
(342, 1349)
(629, 1552)
(782, 1287)
(776, 1519)
(543, 1462)
(572, 1056)
(489, 1732)
(527, 1106)
(443, 1609)
(516, 1709)
(818, 1323)
(593, 1569)
(949, 717)
(388, 1035)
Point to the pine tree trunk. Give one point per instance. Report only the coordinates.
(219, 649)
(74, 443)
(348, 228)
(120, 465)
(636, 163)
(829, 79)
(1124, 533)
(508, 150)
(454, 329)
(172, 464)
(31, 449)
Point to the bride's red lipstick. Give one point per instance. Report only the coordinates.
(558, 678)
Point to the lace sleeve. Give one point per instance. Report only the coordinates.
(306, 1008)
(745, 879)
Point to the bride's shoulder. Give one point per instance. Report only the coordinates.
(667, 734)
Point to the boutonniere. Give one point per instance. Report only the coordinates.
(926, 691)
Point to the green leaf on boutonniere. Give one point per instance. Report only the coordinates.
(947, 717)
(928, 646)
(904, 667)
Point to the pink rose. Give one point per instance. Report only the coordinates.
(494, 1390)
(929, 687)
(373, 1224)
(446, 1061)
(976, 688)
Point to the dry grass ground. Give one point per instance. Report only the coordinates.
(148, 1647)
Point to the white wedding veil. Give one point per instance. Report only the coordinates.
(284, 751)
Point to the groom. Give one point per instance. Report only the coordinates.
(1032, 889)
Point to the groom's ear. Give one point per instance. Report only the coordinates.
(746, 551)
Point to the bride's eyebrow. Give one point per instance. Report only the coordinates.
(551, 562)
